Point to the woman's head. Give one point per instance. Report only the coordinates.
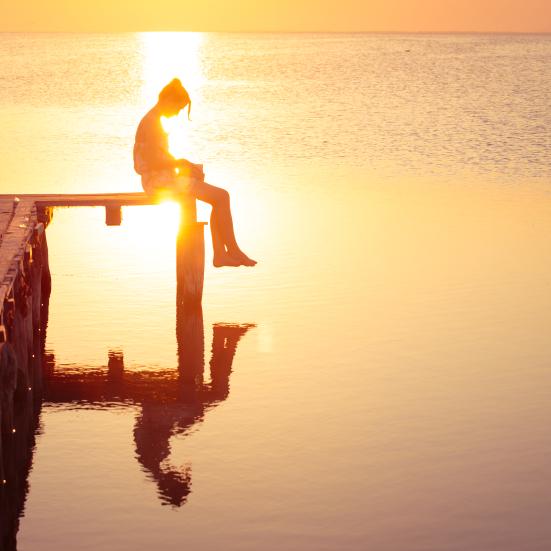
(173, 98)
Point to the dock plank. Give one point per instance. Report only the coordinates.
(84, 199)
(6, 214)
(14, 243)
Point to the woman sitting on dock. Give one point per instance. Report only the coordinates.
(162, 171)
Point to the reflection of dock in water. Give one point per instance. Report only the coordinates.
(25, 286)
(119, 386)
(172, 401)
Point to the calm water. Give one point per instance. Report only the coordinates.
(381, 379)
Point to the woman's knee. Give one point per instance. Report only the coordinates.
(212, 194)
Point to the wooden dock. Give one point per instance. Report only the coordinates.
(24, 288)
(111, 201)
(83, 199)
(21, 215)
(25, 285)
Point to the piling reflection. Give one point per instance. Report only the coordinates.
(159, 420)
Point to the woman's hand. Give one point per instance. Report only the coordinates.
(190, 169)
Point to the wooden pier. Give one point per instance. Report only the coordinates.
(35, 212)
(25, 285)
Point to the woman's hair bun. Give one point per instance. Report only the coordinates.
(175, 92)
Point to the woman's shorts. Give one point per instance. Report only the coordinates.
(159, 182)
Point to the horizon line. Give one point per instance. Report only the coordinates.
(45, 31)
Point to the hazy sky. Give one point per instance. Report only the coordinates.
(266, 15)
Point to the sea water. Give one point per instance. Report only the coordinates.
(381, 379)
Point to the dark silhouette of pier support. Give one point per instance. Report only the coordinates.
(190, 255)
(24, 294)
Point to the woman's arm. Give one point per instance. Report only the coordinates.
(151, 150)
(190, 169)
(151, 146)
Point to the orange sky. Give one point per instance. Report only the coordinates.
(268, 15)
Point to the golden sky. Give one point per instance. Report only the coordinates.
(276, 15)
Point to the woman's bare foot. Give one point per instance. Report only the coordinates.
(226, 259)
(242, 257)
(246, 261)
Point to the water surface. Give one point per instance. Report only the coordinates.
(380, 380)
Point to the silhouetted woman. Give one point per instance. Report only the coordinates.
(161, 171)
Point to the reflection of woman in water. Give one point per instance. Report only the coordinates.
(161, 171)
(159, 419)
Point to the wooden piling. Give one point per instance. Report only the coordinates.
(113, 215)
(190, 255)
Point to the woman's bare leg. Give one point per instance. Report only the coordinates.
(224, 244)
(217, 240)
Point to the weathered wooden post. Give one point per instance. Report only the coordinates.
(113, 215)
(190, 272)
(190, 255)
